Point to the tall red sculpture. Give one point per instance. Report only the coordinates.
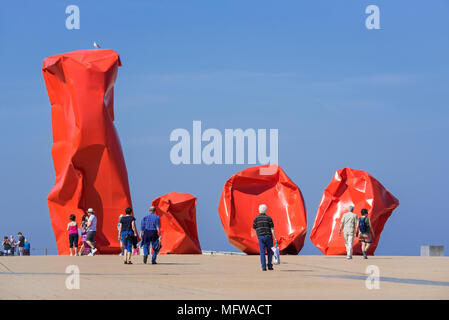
(177, 212)
(245, 191)
(356, 188)
(89, 165)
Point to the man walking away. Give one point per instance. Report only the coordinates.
(20, 244)
(127, 229)
(348, 225)
(150, 231)
(264, 227)
(366, 232)
(91, 231)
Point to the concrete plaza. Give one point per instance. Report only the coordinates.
(225, 277)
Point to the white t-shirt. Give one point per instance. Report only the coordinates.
(93, 220)
(349, 221)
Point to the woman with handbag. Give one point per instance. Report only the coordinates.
(127, 230)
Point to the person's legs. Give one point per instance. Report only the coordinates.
(154, 244)
(71, 244)
(128, 250)
(76, 240)
(269, 245)
(349, 241)
(262, 253)
(367, 245)
(146, 245)
(90, 240)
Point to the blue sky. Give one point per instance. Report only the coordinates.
(340, 95)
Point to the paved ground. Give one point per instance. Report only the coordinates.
(224, 277)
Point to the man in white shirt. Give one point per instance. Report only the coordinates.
(91, 231)
(348, 224)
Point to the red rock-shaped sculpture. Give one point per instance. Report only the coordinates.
(356, 188)
(177, 212)
(239, 205)
(89, 165)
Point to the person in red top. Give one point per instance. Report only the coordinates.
(72, 228)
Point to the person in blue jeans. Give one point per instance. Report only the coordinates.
(263, 224)
(150, 232)
(127, 229)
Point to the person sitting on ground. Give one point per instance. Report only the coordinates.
(127, 230)
(6, 246)
(72, 228)
(365, 232)
(263, 224)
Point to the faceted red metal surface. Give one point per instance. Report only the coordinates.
(350, 187)
(177, 212)
(239, 204)
(89, 165)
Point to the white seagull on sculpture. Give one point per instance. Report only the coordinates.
(96, 45)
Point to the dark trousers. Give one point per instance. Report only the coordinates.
(265, 244)
(150, 237)
(73, 240)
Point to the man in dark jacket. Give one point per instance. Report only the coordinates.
(264, 227)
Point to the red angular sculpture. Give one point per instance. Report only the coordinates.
(177, 212)
(89, 165)
(239, 205)
(361, 190)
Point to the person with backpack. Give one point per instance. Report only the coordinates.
(365, 232)
(348, 225)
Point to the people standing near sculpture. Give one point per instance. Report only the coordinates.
(12, 241)
(91, 231)
(72, 228)
(150, 231)
(348, 225)
(118, 229)
(6, 246)
(365, 232)
(82, 233)
(27, 248)
(20, 244)
(264, 226)
(127, 230)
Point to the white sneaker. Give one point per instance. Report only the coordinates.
(94, 250)
(90, 254)
(71, 254)
(76, 254)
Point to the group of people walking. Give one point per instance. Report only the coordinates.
(353, 226)
(150, 233)
(86, 231)
(19, 247)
